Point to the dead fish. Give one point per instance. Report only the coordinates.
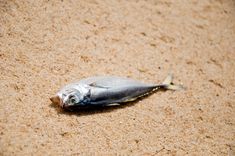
(107, 91)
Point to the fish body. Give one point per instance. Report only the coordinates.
(106, 91)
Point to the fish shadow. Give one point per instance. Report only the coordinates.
(92, 110)
(98, 109)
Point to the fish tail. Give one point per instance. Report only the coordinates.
(168, 84)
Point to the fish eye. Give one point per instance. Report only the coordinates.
(72, 99)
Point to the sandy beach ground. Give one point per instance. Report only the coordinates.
(45, 45)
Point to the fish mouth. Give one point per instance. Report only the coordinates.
(57, 100)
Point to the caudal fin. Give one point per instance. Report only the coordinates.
(168, 84)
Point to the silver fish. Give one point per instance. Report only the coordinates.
(107, 91)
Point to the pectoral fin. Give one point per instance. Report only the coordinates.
(94, 84)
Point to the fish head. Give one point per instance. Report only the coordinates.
(71, 99)
(68, 98)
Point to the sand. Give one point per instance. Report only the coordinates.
(45, 45)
